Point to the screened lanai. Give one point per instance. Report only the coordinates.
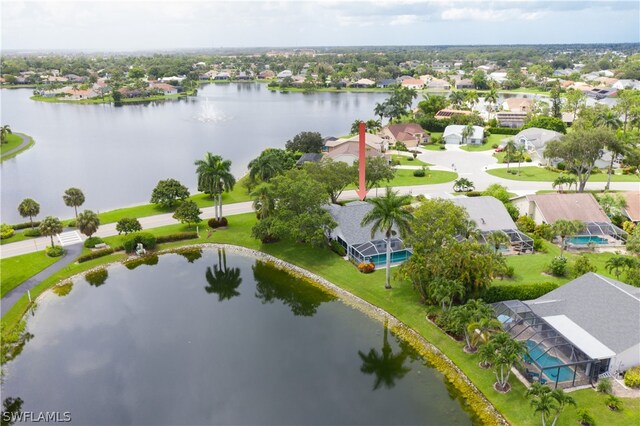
(376, 251)
(604, 228)
(520, 242)
(559, 352)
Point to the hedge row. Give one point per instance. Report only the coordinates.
(178, 236)
(499, 293)
(95, 254)
(25, 225)
(502, 131)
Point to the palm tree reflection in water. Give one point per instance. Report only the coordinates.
(223, 280)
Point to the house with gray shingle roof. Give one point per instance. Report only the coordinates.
(357, 240)
(579, 331)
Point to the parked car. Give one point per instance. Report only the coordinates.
(500, 149)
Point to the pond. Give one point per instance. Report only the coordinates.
(219, 338)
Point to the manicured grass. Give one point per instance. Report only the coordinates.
(17, 236)
(15, 270)
(432, 147)
(408, 160)
(487, 146)
(106, 100)
(14, 140)
(239, 194)
(533, 173)
(405, 177)
(533, 90)
(402, 302)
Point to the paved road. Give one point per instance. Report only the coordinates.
(9, 299)
(25, 141)
(472, 165)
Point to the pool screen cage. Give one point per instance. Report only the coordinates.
(603, 228)
(551, 358)
(519, 241)
(365, 251)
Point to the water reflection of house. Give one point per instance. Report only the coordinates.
(356, 239)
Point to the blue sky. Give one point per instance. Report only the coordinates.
(132, 25)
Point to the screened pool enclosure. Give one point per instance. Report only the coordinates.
(376, 251)
(559, 352)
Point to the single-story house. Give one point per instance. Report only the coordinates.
(349, 152)
(490, 215)
(512, 119)
(244, 75)
(517, 105)
(374, 141)
(574, 334)
(411, 134)
(166, 89)
(601, 93)
(78, 94)
(534, 139)
(448, 113)
(464, 83)
(413, 83)
(222, 76)
(549, 208)
(387, 82)
(284, 74)
(309, 157)
(626, 84)
(356, 239)
(632, 209)
(437, 83)
(266, 74)
(364, 83)
(453, 134)
(172, 78)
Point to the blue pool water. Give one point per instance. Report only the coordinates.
(381, 259)
(584, 240)
(546, 360)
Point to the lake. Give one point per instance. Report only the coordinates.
(215, 338)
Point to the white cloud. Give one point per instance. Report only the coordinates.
(488, 15)
(404, 20)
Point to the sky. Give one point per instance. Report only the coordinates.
(119, 25)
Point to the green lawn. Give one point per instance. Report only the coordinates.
(533, 173)
(15, 270)
(405, 177)
(401, 302)
(13, 141)
(238, 195)
(432, 147)
(107, 99)
(406, 160)
(17, 236)
(487, 146)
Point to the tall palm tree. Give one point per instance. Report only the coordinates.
(481, 331)
(497, 238)
(50, 226)
(467, 132)
(88, 222)
(508, 352)
(380, 110)
(563, 399)
(509, 149)
(387, 366)
(4, 131)
(387, 213)
(492, 99)
(457, 98)
(223, 280)
(355, 127)
(609, 119)
(541, 400)
(472, 98)
(616, 148)
(565, 228)
(214, 178)
(29, 208)
(270, 163)
(263, 203)
(73, 197)
(373, 126)
(520, 150)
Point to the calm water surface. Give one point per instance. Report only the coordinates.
(117, 155)
(219, 340)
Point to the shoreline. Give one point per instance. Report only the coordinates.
(472, 401)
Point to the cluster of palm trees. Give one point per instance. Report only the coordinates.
(548, 402)
(4, 131)
(214, 178)
(371, 126)
(513, 149)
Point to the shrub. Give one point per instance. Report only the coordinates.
(130, 241)
(585, 418)
(95, 254)
(614, 403)
(632, 377)
(25, 225)
(71, 224)
(494, 146)
(6, 231)
(395, 162)
(502, 130)
(337, 248)
(127, 225)
(32, 232)
(55, 251)
(97, 278)
(561, 166)
(526, 224)
(366, 268)
(223, 222)
(545, 231)
(91, 242)
(604, 385)
(419, 173)
(558, 266)
(583, 265)
(474, 194)
(401, 146)
(498, 293)
(527, 159)
(178, 236)
(410, 158)
(443, 147)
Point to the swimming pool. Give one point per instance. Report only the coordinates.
(398, 256)
(546, 360)
(586, 239)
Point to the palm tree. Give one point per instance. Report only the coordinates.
(492, 98)
(4, 131)
(616, 148)
(472, 98)
(509, 149)
(486, 353)
(520, 150)
(445, 291)
(467, 132)
(563, 401)
(463, 185)
(373, 126)
(222, 280)
(380, 110)
(565, 228)
(214, 178)
(481, 331)
(563, 180)
(387, 213)
(387, 367)
(472, 311)
(497, 238)
(616, 264)
(50, 226)
(88, 222)
(541, 400)
(29, 208)
(355, 127)
(609, 119)
(507, 354)
(73, 197)
(270, 163)
(457, 98)
(263, 203)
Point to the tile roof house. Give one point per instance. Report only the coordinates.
(464, 83)
(512, 119)
(632, 210)
(437, 83)
(364, 83)
(166, 89)
(549, 208)
(534, 139)
(411, 134)
(413, 83)
(517, 105)
(349, 152)
(453, 134)
(374, 141)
